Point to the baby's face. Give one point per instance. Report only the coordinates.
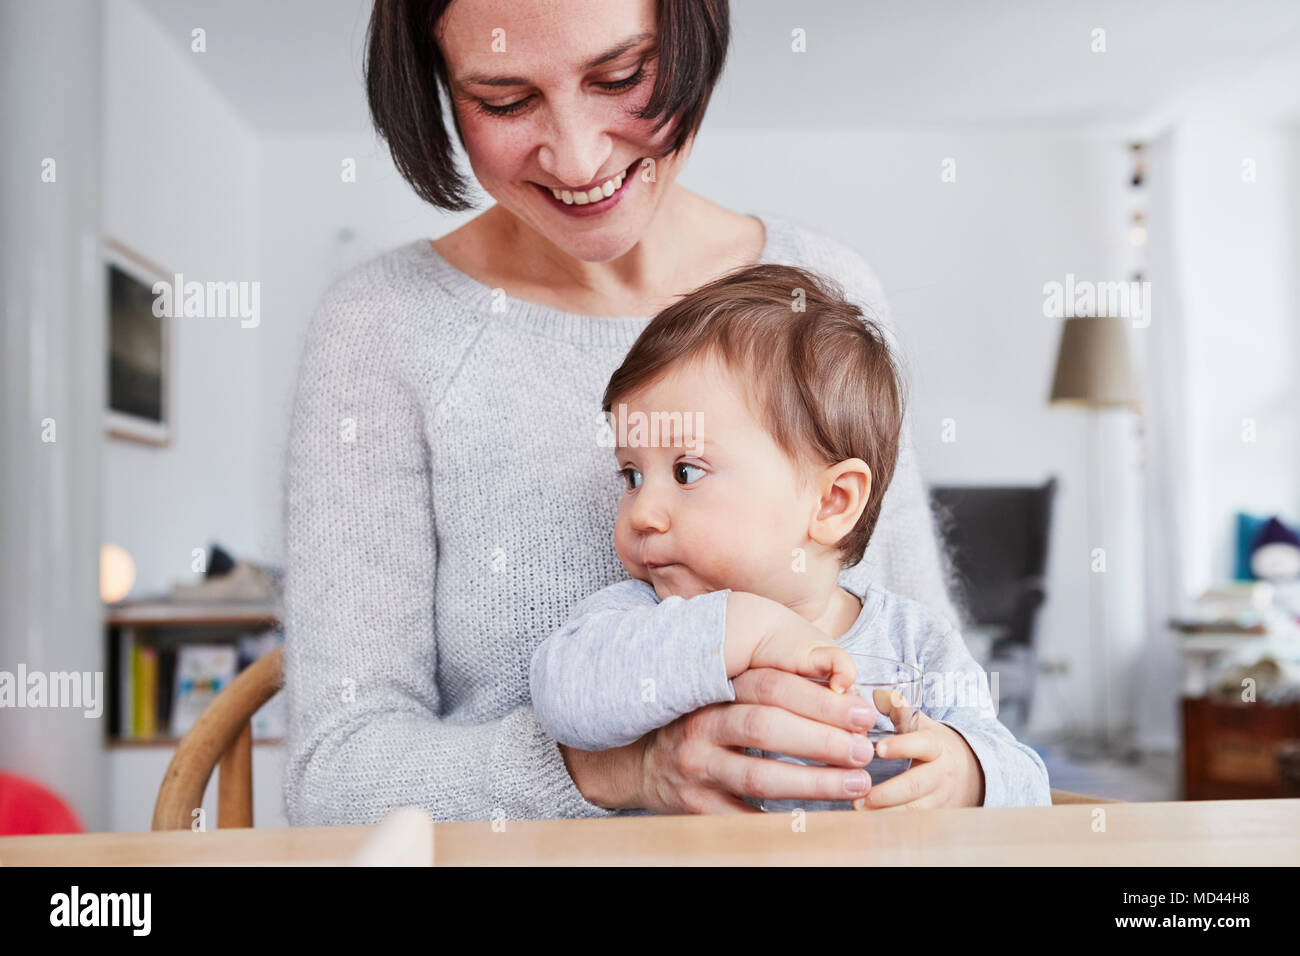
(715, 505)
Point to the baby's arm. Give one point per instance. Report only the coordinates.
(625, 664)
(957, 693)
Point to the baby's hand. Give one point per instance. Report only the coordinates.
(808, 654)
(944, 772)
(763, 633)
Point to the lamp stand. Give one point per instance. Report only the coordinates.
(1098, 744)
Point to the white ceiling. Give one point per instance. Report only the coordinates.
(293, 67)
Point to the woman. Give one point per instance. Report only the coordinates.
(448, 496)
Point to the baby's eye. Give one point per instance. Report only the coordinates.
(685, 474)
(632, 477)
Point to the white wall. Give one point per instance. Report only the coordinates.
(1240, 258)
(180, 188)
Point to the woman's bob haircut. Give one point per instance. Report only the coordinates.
(406, 76)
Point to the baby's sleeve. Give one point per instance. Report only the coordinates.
(625, 663)
(957, 692)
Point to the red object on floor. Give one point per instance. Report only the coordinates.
(28, 807)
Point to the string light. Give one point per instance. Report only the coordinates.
(1137, 229)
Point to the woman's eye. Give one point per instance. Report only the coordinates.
(685, 474)
(632, 477)
(612, 86)
(626, 83)
(504, 110)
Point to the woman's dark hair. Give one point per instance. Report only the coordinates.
(406, 74)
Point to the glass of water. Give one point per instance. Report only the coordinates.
(878, 679)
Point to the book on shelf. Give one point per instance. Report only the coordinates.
(202, 672)
(125, 658)
(166, 689)
(145, 724)
(163, 687)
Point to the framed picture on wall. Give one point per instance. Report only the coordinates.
(139, 350)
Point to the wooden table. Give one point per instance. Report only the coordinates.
(1202, 833)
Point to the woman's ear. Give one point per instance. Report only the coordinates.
(843, 491)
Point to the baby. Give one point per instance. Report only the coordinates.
(756, 425)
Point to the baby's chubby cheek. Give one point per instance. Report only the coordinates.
(633, 568)
(713, 563)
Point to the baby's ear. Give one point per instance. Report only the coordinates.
(843, 492)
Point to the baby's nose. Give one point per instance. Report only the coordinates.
(649, 514)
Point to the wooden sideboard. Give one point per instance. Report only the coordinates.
(1230, 749)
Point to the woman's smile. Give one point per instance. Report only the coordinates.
(600, 198)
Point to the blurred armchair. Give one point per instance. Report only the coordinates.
(997, 539)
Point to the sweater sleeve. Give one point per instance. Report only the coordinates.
(956, 692)
(365, 734)
(625, 664)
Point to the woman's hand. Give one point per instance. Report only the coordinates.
(944, 773)
(696, 764)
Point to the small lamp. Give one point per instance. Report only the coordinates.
(1093, 366)
(116, 573)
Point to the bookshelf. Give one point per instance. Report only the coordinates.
(144, 614)
(162, 629)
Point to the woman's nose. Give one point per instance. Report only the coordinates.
(576, 147)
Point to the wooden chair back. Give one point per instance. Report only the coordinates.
(222, 735)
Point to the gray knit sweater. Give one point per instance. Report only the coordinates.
(448, 502)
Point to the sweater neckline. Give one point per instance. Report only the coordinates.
(871, 598)
(557, 323)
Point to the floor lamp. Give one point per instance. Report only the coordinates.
(1095, 370)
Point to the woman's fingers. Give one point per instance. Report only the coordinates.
(777, 730)
(719, 801)
(777, 688)
(776, 780)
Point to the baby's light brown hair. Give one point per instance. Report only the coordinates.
(822, 381)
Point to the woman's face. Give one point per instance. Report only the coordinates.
(538, 113)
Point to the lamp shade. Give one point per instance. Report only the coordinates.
(1093, 364)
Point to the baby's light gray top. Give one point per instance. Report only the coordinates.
(625, 663)
(448, 501)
